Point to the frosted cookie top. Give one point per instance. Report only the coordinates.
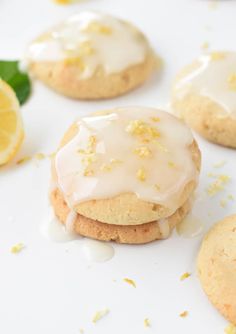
(214, 76)
(89, 40)
(130, 150)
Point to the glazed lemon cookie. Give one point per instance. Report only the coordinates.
(204, 95)
(125, 175)
(91, 56)
(217, 267)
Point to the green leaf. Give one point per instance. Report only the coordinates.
(19, 81)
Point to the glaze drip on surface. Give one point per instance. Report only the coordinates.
(97, 251)
(88, 40)
(131, 150)
(213, 76)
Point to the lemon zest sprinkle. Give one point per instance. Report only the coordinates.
(40, 156)
(232, 82)
(155, 119)
(223, 203)
(143, 152)
(63, 2)
(100, 314)
(184, 276)
(23, 160)
(218, 184)
(205, 46)
(142, 130)
(171, 164)
(130, 282)
(75, 61)
(88, 172)
(184, 314)
(230, 329)
(147, 322)
(95, 27)
(17, 248)
(217, 56)
(157, 187)
(141, 175)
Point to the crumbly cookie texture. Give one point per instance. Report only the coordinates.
(65, 79)
(128, 234)
(217, 267)
(204, 116)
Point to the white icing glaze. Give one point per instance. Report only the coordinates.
(213, 78)
(70, 221)
(97, 251)
(164, 228)
(190, 227)
(111, 164)
(91, 39)
(54, 230)
(23, 65)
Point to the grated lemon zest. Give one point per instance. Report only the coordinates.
(155, 119)
(142, 130)
(223, 203)
(40, 156)
(218, 184)
(205, 46)
(232, 82)
(143, 152)
(147, 322)
(23, 160)
(95, 27)
(184, 276)
(62, 2)
(130, 282)
(100, 314)
(217, 56)
(171, 164)
(141, 175)
(184, 314)
(157, 187)
(230, 329)
(17, 248)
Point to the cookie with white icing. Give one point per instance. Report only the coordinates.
(128, 174)
(217, 267)
(91, 56)
(204, 95)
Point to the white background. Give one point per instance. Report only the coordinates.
(51, 288)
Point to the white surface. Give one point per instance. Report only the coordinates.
(50, 287)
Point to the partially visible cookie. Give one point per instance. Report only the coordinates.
(217, 267)
(204, 96)
(92, 56)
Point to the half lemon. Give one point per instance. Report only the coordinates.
(11, 126)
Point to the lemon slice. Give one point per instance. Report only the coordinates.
(11, 127)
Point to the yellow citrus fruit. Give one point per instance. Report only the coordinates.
(11, 127)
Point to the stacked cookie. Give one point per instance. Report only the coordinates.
(129, 175)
